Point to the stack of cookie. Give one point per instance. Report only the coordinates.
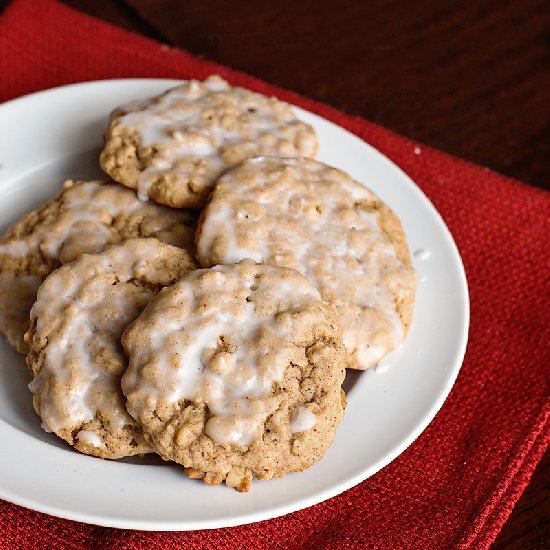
(217, 339)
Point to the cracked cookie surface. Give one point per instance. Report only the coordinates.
(172, 147)
(76, 358)
(235, 372)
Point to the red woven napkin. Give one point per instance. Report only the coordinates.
(457, 484)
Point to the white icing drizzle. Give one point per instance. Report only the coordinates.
(199, 128)
(17, 247)
(45, 427)
(185, 355)
(82, 224)
(83, 313)
(90, 216)
(304, 215)
(92, 438)
(302, 419)
(77, 212)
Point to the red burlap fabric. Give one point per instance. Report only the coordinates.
(457, 484)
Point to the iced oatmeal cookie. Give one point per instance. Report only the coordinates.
(84, 217)
(316, 219)
(235, 372)
(172, 147)
(76, 358)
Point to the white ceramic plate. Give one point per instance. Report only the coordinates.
(54, 135)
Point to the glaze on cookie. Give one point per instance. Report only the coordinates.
(172, 147)
(316, 219)
(76, 358)
(84, 217)
(236, 372)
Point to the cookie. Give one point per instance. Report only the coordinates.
(172, 147)
(84, 217)
(76, 358)
(236, 372)
(17, 295)
(316, 219)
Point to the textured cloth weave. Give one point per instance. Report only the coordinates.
(457, 484)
